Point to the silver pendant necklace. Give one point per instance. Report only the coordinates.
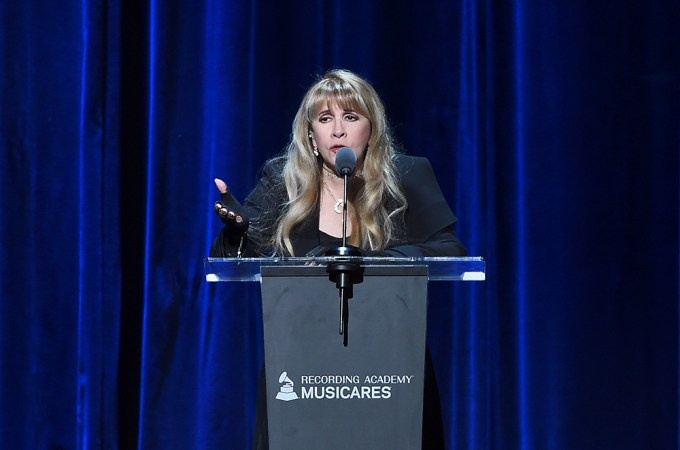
(338, 201)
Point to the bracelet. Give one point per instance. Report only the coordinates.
(240, 245)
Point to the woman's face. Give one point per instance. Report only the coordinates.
(334, 128)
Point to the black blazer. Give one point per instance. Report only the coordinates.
(426, 224)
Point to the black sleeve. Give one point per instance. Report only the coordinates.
(442, 243)
(263, 205)
(428, 219)
(224, 246)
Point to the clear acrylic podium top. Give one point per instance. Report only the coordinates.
(438, 268)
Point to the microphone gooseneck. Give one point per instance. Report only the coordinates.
(345, 162)
(345, 273)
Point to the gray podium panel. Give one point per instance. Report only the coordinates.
(323, 395)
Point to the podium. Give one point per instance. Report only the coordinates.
(362, 390)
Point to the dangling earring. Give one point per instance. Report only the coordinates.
(316, 149)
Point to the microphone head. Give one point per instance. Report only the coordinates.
(345, 161)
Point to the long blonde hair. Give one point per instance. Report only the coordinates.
(373, 224)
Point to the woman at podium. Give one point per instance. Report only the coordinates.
(395, 206)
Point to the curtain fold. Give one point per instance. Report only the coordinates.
(554, 131)
(99, 280)
(60, 267)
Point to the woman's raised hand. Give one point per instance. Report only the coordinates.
(228, 209)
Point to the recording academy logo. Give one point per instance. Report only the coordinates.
(343, 387)
(286, 392)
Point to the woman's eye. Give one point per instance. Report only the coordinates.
(324, 119)
(351, 117)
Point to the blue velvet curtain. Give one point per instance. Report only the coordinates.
(553, 128)
(60, 272)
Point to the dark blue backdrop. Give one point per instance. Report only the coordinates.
(553, 127)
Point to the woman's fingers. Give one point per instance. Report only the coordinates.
(228, 209)
(225, 213)
(221, 186)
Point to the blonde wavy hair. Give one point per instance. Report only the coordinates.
(376, 185)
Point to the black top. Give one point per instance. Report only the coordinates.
(425, 228)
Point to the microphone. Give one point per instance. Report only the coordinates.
(345, 162)
(344, 272)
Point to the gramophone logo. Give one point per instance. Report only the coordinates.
(286, 392)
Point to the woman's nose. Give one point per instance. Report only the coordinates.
(338, 129)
